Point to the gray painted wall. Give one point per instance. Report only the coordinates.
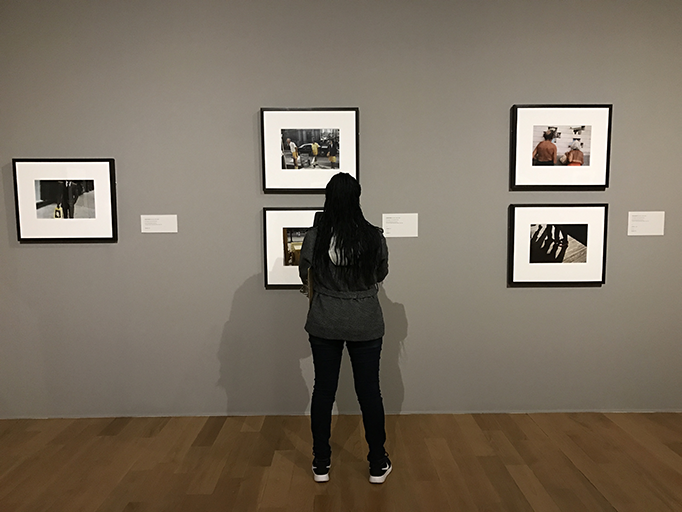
(181, 324)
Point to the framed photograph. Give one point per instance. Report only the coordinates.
(557, 245)
(285, 229)
(560, 147)
(65, 200)
(304, 148)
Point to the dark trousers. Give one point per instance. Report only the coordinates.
(68, 209)
(364, 356)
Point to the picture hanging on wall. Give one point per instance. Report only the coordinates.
(303, 148)
(557, 245)
(65, 200)
(284, 230)
(560, 147)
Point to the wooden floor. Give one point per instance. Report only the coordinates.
(477, 462)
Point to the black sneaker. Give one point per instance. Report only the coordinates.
(379, 471)
(321, 469)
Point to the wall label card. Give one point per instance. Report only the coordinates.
(400, 224)
(159, 223)
(646, 223)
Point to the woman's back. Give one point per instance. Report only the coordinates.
(347, 257)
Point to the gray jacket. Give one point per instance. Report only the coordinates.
(337, 312)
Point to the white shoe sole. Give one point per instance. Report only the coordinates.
(321, 478)
(380, 479)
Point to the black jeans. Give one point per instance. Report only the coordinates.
(364, 356)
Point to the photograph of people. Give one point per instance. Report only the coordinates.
(545, 152)
(310, 148)
(314, 149)
(348, 257)
(562, 145)
(65, 199)
(575, 156)
(294, 152)
(70, 193)
(333, 154)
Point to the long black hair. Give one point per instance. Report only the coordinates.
(357, 242)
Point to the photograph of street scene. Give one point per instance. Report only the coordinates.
(561, 145)
(293, 240)
(311, 149)
(65, 199)
(558, 243)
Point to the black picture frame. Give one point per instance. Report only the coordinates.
(335, 130)
(280, 263)
(585, 168)
(557, 245)
(65, 200)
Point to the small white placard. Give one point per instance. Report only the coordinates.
(159, 223)
(646, 223)
(400, 224)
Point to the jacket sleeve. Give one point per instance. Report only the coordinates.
(382, 269)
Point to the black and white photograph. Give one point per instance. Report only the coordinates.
(560, 147)
(302, 148)
(557, 245)
(283, 232)
(311, 149)
(65, 200)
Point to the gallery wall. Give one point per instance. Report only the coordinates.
(180, 324)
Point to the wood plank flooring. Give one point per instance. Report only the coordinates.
(468, 462)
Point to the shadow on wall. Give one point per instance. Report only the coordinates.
(260, 351)
(265, 359)
(10, 212)
(392, 387)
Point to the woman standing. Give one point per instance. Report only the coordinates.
(347, 257)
